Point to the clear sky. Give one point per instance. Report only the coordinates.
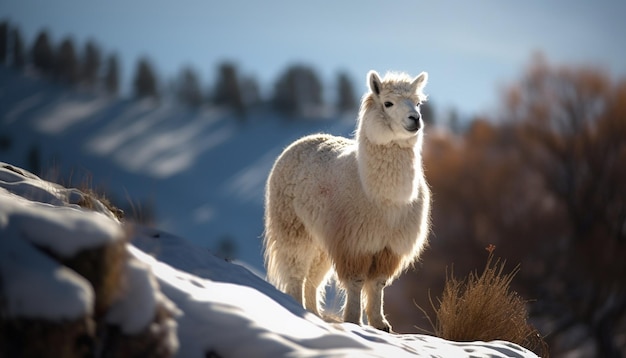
(471, 49)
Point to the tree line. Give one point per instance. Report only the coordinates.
(298, 90)
(62, 62)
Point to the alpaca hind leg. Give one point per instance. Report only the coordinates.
(299, 262)
(288, 265)
(287, 249)
(315, 281)
(374, 304)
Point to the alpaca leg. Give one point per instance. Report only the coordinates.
(293, 287)
(352, 310)
(315, 281)
(287, 249)
(374, 304)
(299, 263)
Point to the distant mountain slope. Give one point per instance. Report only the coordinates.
(204, 171)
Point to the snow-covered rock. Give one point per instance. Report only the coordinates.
(193, 303)
(65, 269)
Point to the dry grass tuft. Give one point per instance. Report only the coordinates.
(483, 308)
(90, 197)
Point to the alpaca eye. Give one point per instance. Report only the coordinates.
(388, 104)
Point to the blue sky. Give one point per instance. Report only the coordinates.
(471, 49)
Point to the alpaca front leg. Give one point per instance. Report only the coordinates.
(352, 310)
(374, 304)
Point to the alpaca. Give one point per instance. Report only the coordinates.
(360, 207)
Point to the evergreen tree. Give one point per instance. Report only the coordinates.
(42, 53)
(187, 88)
(346, 100)
(250, 92)
(91, 63)
(4, 41)
(145, 82)
(297, 91)
(67, 63)
(227, 90)
(112, 75)
(19, 58)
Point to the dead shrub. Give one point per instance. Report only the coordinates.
(482, 307)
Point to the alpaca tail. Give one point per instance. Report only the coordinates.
(272, 261)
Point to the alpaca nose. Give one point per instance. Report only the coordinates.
(416, 120)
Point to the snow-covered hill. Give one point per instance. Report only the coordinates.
(203, 171)
(170, 293)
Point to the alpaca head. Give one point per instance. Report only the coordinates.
(390, 111)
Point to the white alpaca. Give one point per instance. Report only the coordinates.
(359, 206)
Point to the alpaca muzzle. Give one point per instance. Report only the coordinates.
(414, 124)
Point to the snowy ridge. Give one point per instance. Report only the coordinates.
(217, 308)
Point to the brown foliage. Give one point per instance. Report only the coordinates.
(484, 308)
(546, 182)
(573, 131)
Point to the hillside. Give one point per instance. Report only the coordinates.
(154, 294)
(202, 172)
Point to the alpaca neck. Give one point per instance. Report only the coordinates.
(389, 172)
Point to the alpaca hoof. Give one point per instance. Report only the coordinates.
(385, 327)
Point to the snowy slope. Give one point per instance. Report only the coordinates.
(220, 308)
(203, 170)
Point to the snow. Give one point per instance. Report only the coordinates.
(68, 113)
(157, 146)
(65, 230)
(271, 323)
(33, 285)
(135, 310)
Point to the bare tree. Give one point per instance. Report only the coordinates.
(574, 125)
(546, 183)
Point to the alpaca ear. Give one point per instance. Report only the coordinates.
(374, 82)
(420, 81)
